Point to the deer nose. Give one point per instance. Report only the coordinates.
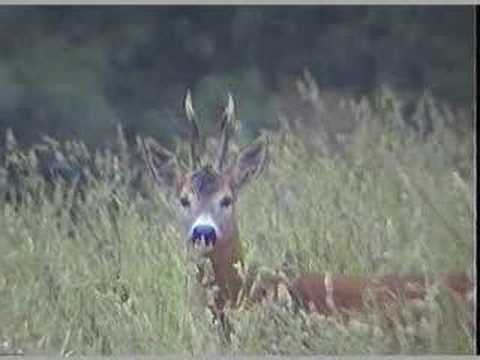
(205, 232)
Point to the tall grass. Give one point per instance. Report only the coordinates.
(389, 200)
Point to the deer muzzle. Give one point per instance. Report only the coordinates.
(204, 235)
(204, 232)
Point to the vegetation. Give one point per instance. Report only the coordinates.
(376, 198)
(75, 72)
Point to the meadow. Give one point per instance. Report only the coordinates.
(384, 197)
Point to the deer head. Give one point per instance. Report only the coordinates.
(206, 191)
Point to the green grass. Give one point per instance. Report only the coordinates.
(390, 203)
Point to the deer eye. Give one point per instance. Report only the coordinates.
(185, 202)
(226, 202)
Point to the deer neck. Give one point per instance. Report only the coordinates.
(227, 253)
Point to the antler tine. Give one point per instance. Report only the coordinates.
(194, 134)
(228, 126)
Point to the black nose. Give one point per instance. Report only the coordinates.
(206, 232)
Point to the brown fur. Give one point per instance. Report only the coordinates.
(350, 293)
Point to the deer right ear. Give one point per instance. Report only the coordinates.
(250, 163)
(162, 164)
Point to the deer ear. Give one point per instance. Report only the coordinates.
(250, 163)
(162, 164)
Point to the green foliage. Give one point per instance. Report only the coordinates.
(390, 201)
(75, 71)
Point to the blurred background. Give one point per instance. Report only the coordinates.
(76, 72)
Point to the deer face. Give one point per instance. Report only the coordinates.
(205, 195)
(206, 208)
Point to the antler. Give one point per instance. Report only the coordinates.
(228, 126)
(194, 134)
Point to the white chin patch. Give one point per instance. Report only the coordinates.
(202, 248)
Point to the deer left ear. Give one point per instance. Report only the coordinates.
(162, 164)
(250, 163)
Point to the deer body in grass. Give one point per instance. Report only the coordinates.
(206, 196)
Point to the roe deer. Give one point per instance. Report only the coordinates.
(206, 195)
